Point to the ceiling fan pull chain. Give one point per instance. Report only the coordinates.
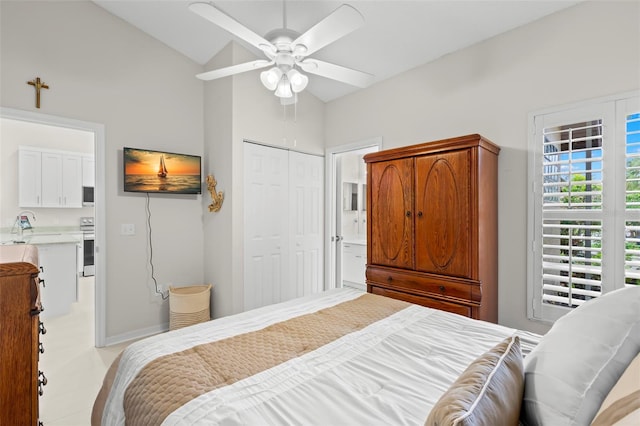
(284, 123)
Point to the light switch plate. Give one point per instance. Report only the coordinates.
(127, 229)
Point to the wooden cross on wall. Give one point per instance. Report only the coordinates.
(38, 85)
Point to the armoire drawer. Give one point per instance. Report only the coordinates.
(423, 301)
(443, 287)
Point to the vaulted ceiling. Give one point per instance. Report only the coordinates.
(397, 35)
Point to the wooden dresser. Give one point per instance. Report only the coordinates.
(433, 225)
(20, 327)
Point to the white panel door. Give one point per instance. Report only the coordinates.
(266, 224)
(306, 183)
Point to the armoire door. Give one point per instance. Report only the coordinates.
(443, 213)
(391, 210)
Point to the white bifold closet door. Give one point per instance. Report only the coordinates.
(283, 224)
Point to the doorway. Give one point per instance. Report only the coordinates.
(98, 148)
(346, 225)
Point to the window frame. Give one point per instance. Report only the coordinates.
(613, 111)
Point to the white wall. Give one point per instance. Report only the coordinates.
(218, 98)
(14, 133)
(590, 50)
(102, 70)
(255, 114)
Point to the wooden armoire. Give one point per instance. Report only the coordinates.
(432, 211)
(20, 327)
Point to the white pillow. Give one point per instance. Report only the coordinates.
(575, 365)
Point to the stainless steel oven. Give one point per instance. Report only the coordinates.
(88, 246)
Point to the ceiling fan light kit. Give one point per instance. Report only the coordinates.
(298, 80)
(271, 78)
(284, 88)
(284, 79)
(286, 50)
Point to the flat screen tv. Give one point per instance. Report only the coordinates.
(161, 172)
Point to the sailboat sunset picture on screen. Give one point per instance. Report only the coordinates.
(162, 172)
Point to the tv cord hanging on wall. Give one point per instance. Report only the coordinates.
(155, 282)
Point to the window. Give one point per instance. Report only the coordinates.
(584, 224)
(632, 199)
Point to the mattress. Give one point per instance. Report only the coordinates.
(359, 359)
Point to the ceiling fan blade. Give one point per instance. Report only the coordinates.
(337, 24)
(234, 69)
(224, 21)
(336, 72)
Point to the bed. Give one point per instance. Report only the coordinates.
(347, 357)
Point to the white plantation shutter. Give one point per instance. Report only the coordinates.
(632, 196)
(584, 220)
(572, 166)
(572, 214)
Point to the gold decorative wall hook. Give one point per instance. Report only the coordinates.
(216, 197)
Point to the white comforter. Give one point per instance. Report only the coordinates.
(391, 372)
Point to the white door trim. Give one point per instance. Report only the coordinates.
(100, 209)
(330, 201)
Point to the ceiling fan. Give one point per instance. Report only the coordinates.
(288, 50)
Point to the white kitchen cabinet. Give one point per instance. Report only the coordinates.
(71, 181)
(58, 265)
(88, 171)
(29, 178)
(354, 261)
(49, 178)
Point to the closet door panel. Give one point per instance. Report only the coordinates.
(283, 225)
(443, 243)
(306, 195)
(266, 227)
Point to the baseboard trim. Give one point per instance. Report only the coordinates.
(136, 334)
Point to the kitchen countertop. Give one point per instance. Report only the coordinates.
(348, 240)
(43, 235)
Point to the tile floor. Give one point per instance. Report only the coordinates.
(73, 366)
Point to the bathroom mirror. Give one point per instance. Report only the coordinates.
(350, 196)
(364, 198)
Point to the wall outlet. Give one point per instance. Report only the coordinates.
(127, 229)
